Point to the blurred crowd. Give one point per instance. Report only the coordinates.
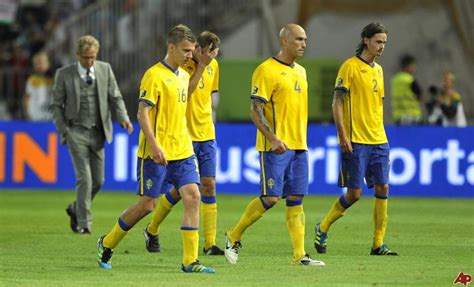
(26, 74)
(440, 104)
(26, 71)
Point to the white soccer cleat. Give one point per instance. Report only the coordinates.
(306, 260)
(231, 251)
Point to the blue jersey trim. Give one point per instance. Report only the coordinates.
(370, 64)
(176, 72)
(341, 88)
(148, 102)
(292, 65)
(258, 98)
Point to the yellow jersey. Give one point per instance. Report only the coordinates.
(284, 90)
(363, 105)
(199, 111)
(166, 90)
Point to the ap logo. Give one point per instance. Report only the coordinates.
(463, 278)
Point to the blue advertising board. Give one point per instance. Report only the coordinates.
(425, 161)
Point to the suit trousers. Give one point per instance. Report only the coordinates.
(86, 147)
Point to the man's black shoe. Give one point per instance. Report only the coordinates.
(72, 219)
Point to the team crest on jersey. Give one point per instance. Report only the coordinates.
(363, 71)
(255, 90)
(339, 82)
(210, 70)
(149, 183)
(271, 183)
(283, 73)
(169, 80)
(142, 93)
(380, 73)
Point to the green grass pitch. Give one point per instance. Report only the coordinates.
(435, 238)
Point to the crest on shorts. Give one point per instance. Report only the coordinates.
(270, 183)
(142, 93)
(339, 82)
(149, 183)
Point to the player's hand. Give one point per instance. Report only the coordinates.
(205, 55)
(158, 155)
(346, 145)
(127, 125)
(278, 146)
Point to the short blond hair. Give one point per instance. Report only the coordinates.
(86, 42)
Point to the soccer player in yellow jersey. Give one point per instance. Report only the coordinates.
(358, 113)
(165, 151)
(203, 85)
(279, 110)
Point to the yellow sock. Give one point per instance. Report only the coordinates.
(209, 220)
(253, 212)
(162, 210)
(295, 221)
(118, 232)
(190, 244)
(337, 210)
(380, 220)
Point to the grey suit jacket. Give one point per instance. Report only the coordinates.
(66, 98)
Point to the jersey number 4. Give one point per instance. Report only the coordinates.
(297, 87)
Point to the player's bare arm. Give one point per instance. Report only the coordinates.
(157, 152)
(203, 57)
(261, 122)
(337, 111)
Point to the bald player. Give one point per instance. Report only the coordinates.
(279, 110)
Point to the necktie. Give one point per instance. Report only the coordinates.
(88, 77)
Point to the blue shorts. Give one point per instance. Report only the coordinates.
(284, 174)
(206, 156)
(369, 161)
(153, 178)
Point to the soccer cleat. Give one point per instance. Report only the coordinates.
(231, 251)
(105, 255)
(213, 250)
(152, 242)
(306, 260)
(197, 267)
(383, 250)
(320, 239)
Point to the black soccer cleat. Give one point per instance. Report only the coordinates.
(383, 250)
(213, 250)
(152, 242)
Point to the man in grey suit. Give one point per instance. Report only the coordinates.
(85, 94)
